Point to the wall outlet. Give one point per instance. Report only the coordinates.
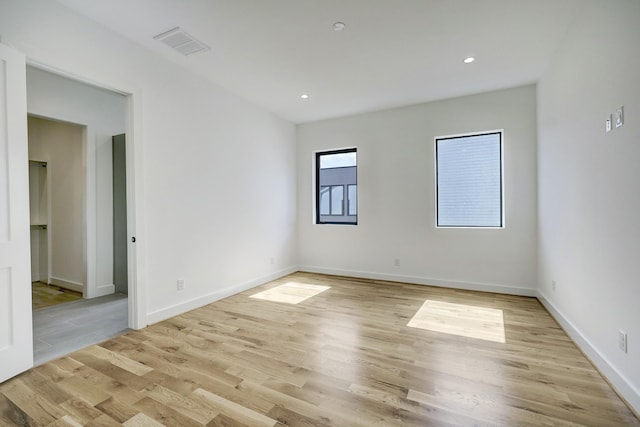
(553, 285)
(396, 262)
(180, 285)
(622, 340)
(619, 117)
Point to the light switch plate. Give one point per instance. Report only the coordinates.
(619, 117)
(607, 124)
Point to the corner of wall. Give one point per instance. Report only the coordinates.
(425, 281)
(201, 301)
(613, 376)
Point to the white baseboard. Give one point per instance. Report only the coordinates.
(37, 277)
(101, 291)
(183, 307)
(471, 286)
(618, 381)
(67, 284)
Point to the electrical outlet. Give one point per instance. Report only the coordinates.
(180, 285)
(607, 124)
(396, 262)
(553, 285)
(622, 340)
(619, 117)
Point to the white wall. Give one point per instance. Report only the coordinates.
(61, 146)
(103, 114)
(396, 201)
(214, 175)
(589, 234)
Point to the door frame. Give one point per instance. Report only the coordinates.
(137, 317)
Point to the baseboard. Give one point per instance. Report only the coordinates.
(101, 291)
(37, 277)
(183, 307)
(471, 286)
(617, 380)
(67, 284)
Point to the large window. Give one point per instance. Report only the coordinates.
(469, 181)
(336, 187)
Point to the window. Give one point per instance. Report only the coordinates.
(469, 181)
(336, 187)
(331, 200)
(353, 199)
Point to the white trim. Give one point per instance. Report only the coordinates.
(136, 272)
(135, 180)
(185, 306)
(73, 76)
(103, 290)
(471, 286)
(616, 379)
(473, 133)
(67, 284)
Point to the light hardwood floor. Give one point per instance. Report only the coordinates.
(342, 357)
(44, 295)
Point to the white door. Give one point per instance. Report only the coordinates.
(16, 342)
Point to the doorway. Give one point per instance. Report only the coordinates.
(54, 102)
(87, 211)
(56, 199)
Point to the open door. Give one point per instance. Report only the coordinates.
(16, 342)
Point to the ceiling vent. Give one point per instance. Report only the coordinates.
(177, 39)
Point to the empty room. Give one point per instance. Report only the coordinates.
(324, 213)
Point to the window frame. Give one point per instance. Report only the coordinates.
(325, 189)
(499, 132)
(330, 189)
(345, 198)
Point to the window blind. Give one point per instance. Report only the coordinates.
(469, 181)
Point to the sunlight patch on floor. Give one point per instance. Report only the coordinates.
(460, 319)
(290, 292)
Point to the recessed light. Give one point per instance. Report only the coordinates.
(339, 26)
(304, 96)
(469, 60)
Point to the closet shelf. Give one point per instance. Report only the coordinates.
(37, 164)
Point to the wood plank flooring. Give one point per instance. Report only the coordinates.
(344, 357)
(43, 295)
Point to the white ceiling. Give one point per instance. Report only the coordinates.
(392, 52)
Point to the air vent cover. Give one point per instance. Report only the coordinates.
(177, 39)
